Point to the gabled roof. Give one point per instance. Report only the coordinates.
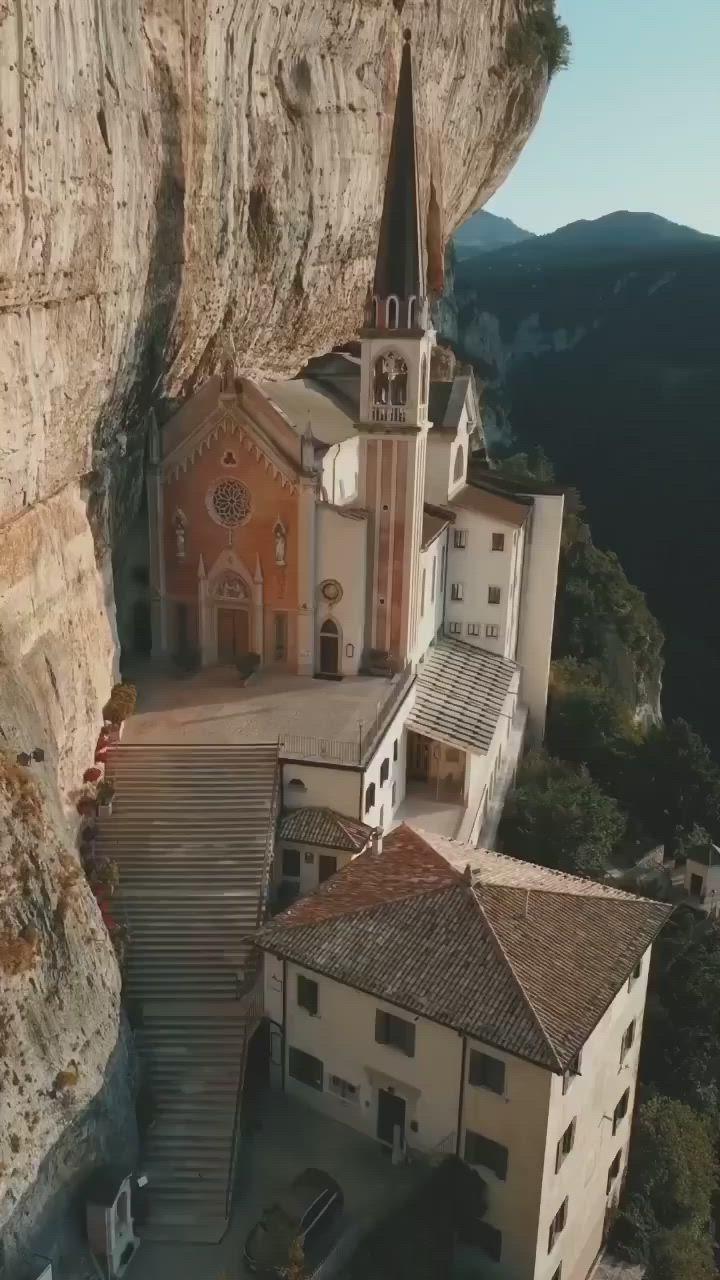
(459, 694)
(433, 523)
(398, 269)
(525, 961)
(324, 827)
(447, 401)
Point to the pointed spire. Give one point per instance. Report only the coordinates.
(201, 568)
(398, 269)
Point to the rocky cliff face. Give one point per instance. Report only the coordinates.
(173, 175)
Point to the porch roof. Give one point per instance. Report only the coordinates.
(460, 692)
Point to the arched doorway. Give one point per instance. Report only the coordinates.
(231, 596)
(329, 648)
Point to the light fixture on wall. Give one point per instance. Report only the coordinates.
(349, 650)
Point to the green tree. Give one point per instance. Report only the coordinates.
(588, 723)
(557, 816)
(681, 1255)
(671, 1178)
(674, 782)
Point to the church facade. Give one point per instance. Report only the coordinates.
(347, 521)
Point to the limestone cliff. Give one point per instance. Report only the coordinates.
(172, 174)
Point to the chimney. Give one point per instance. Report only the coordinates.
(376, 842)
(467, 873)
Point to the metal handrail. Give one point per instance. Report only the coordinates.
(304, 747)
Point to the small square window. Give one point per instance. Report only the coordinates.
(636, 973)
(473, 628)
(291, 863)
(307, 993)
(486, 1072)
(460, 538)
(370, 797)
(492, 631)
(455, 628)
(395, 1031)
(457, 591)
(486, 1153)
(494, 594)
(305, 1068)
(498, 542)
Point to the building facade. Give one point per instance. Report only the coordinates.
(435, 1009)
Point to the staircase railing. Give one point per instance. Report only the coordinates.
(303, 747)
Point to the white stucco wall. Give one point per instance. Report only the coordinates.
(342, 1036)
(341, 556)
(337, 788)
(591, 1098)
(340, 466)
(380, 814)
(431, 607)
(309, 864)
(537, 607)
(710, 877)
(478, 567)
(443, 448)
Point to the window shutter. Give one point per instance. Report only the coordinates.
(381, 1027)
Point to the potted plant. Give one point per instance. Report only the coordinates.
(92, 775)
(105, 793)
(247, 665)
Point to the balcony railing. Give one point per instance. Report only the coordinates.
(303, 747)
(389, 413)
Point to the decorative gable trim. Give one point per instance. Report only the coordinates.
(206, 435)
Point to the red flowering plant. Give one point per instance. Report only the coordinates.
(92, 775)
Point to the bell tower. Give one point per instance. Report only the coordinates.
(396, 346)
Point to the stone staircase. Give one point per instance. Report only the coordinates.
(191, 832)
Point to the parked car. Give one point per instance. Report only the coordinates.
(303, 1215)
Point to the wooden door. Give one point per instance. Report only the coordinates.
(329, 649)
(418, 749)
(327, 867)
(391, 1112)
(233, 629)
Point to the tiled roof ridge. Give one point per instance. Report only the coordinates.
(349, 825)
(414, 891)
(477, 899)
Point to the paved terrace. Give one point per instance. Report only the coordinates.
(317, 719)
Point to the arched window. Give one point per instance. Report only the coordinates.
(393, 312)
(459, 469)
(375, 313)
(412, 309)
(423, 380)
(390, 379)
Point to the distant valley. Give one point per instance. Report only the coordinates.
(600, 342)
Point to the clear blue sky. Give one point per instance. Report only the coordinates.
(633, 124)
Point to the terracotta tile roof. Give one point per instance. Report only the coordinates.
(519, 957)
(324, 827)
(459, 694)
(513, 511)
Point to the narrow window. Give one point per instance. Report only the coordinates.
(473, 628)
(486, 1153)
(370, 797)
(422, 594)
(393, 312)
(432, 580)
(396, 745)
(636, 973)
(343, 1088)
(443, 559)
(486, 1072)
(455, 628)
(280, 637)
(385, 770)
(459, 470)
(457, 591)
(460, 538)
(621, 1111)
(492, 631)
(291, 863)
(303, 1067)
(494, 595)
(557, 1226)
(307, 993)
(565, 1145)
(572, 1071)
(394, 794)
(613, 1171)
(627, 1042)
(498, 542)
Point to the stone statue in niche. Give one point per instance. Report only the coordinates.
(180, 524)
(280, 544)
(230, 587)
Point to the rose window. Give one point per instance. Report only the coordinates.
(229, 503)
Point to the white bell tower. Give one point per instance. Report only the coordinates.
(396, 347)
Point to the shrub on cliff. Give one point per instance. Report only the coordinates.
(540, 34)
(557, 816)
